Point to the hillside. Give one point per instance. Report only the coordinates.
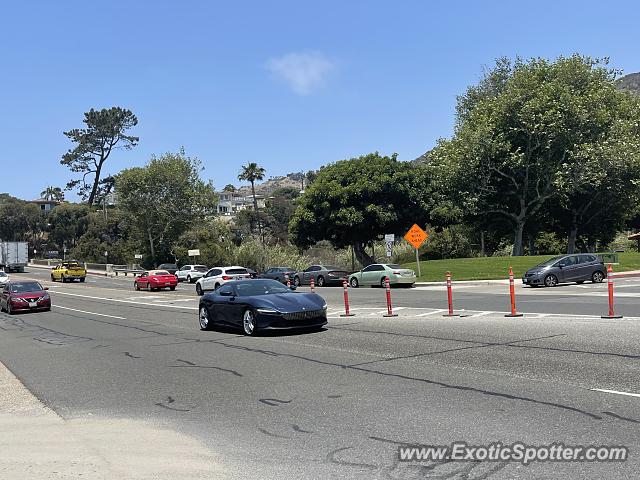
(630, 83)
(293, 180)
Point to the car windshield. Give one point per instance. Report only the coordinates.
(2, 274)
(26, 287)
(551, 261)
(260, 287)
(159, 272)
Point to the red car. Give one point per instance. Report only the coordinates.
(156, 280)
(24, 296)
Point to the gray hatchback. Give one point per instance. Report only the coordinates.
(566, 268)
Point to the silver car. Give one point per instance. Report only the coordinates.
(566, 268)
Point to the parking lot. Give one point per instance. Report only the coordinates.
(338, 403)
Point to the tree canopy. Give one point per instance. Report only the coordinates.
(105, 131)
(353, 202)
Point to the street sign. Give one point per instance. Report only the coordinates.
(138, 256)
(389, 238)
(193, 253)
(416, 236)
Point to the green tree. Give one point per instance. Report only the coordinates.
(105, 131)
(52, 194)
(523, 133)
(229, 188)
(353, 202)
(67, 223)
(279, 209)
(20, 220)
(164, 199)
(252, 173)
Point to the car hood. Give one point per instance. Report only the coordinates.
(39, 293)
(289, 302)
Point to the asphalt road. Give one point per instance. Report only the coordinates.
(339, 403)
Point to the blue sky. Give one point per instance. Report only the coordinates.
(291, 85)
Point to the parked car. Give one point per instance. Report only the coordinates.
(219, 276)
(4, 278)
(172, 268)
(280, 274)
(376, 273)
(191, 273)
(68, 272)
(261, 304)
(323, 275)
(24, 296)
(155, 280)
(566, 268)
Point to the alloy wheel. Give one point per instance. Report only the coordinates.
(249, 323)
(551, 281)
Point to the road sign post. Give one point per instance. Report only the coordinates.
(416, 237)
(389, 238)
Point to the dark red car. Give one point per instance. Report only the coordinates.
(156, 280)
(24, 296)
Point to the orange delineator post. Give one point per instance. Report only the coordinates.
(610, 285)
(512, 294)
(389, 307)
(313, 285)
(346, 313)
(450, 298)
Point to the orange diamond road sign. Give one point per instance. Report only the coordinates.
(416, 236)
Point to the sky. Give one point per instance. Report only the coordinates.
(291, 85)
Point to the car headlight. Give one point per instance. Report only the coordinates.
(324, 307)
(45, 297)
(267, 311)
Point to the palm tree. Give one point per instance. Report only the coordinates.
(252, 172)
(52, 193)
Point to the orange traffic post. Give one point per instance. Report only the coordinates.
(610, 285)
(313, 285)
(450, 298)
(512, 294)
(389, 307)
(346, 313)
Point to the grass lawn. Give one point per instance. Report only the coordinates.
(491, 268)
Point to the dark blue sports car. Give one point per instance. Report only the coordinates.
(261, 305)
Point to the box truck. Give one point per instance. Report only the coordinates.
(14, 256)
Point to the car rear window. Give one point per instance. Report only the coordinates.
(236, 271)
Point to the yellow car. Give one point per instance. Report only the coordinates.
(68, 272)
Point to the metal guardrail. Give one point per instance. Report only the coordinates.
(611, 257)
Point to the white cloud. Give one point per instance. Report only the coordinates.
(304, 72)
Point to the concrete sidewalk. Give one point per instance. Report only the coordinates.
(35, 443)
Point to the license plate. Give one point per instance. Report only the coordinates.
(168, 283)
(33, 304)
(239, 278)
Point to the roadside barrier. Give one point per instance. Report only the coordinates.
(450, 298)
(313, 285)
(346, 313)
(512, 294)
(389, 307)
(610, 285)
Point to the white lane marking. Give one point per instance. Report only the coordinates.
(126, 301)
(481, 314)
(440, 310)
(615, 392)
(89, 313)
(395, 309)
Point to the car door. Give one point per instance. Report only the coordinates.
(143, 280)
(571, 268)
(373, 275)
(56, 272)
(365, 275)
(4, 295)
(182, 273)
(221, 301)
(209, 282)
(585, 267)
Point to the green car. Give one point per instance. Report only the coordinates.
(376, 273)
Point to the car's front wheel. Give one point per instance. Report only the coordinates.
(249, 322)
(203, 319)
(9, 310)
(550, 281)
(53, 279)
(321, 281)
(199, 289)
(597, 277)
(296, 281)
(354, 282)
(136, 286)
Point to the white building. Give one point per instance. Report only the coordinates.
(230, 203)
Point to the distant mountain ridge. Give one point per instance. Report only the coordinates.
(266, 188)
(629, 83)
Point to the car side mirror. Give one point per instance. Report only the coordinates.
(561, 265)
(225, 294)
(46, 288)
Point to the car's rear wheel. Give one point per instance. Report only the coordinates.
(63, 279)
(597, 277)
(354, 282)
(249, 323)
(296, 281)
(199, 289)
(9, 309)
(189, 279)
(550, 281)
(383, 282)
(217, 285)
(321, 281)
(136, 286)
(203, 319)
